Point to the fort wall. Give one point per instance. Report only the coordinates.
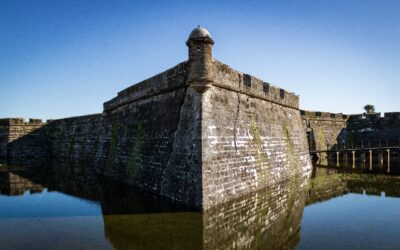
(324, 130)
(21, 138)
(155, 137)
(163, 137)
(80, 137)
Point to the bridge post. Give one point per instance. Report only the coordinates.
(345, 157)
(354, 158)
(363, 156)
(370, 160)
(380, 158)
(337, 158)
(388, 160)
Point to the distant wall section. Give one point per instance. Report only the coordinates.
(374, 129)
(21, 138)
(324, 130)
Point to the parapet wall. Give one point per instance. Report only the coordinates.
(227, 78)
(317, 115)
(388, 116)
(166, 81)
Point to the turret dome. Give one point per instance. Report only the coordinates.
(201, 35)
(199, 32)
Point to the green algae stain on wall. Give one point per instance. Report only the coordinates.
(134, 156)
(112, 148)
(261, 154)
(257, 141)
(293, 157)
(321, 140)
(71, 146)
(295, 168)
(61, 144)
(289, 141)
(82, 145)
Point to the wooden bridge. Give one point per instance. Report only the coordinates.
(379, 151)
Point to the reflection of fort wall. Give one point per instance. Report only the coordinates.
(263, 220)
(136, 220)
(374, 185)
(69, 177)
(13, 184)
(324, 186)
(266, 219)
(327, 183)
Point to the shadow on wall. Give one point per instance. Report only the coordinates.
(76, 137)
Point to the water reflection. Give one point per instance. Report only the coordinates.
(66, 205)
(351, 208)
(371, 162)
(328, 182)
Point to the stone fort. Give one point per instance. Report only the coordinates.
(200, 133)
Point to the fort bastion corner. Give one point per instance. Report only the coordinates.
(200, 133)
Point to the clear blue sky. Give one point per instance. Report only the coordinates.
(65, 58)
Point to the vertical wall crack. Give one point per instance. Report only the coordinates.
(236, 117)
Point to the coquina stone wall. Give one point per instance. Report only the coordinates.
(79, 137)
(155, 139)
(252, 136)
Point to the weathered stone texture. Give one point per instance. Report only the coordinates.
(4, 130)
(79, 137)
(230, 79)
(166, 81)
(154, 137)
(248, 142)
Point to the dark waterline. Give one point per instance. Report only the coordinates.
(66, 206)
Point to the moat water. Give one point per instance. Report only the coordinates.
(66, 206)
